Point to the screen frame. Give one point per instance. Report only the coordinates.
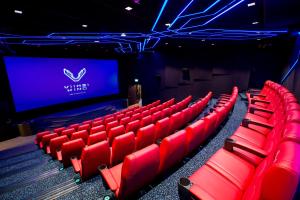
(60, 106)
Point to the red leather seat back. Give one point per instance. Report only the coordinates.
(133, 126)
(156, 116)
(92, 157)
(210, 122)
(176, 122)
(146, 121)
(124, 121)
(108, 119)
(114, 132)
(162, 128)
(292, 132)
(97, 137)
(68, 132)
(166, 112)
(89, 122)
(136, 116)
(97, 129)
(56, 143)
(128, 114)
(153, 110)
(97, 123)
(111, 125)
(145, 137)
(145, 113)
(46, 139)
(159, 108)
(186, 115)
(119, 116)
(70, 149)
(172, 150)
(40, 135)
(122, 146)
(84, 127)
(195, 135)
(59, 130)
(75, 126)
(138, 170)
(80, 134)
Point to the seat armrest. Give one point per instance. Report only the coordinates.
(246, 123)
(253, 101)
(253, 109)
(252, 95)
(230, 144)
(108, 177)
(76, 164)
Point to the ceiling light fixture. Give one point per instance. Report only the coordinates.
(96, 41)
(251, 4)
(258, 39)
(84, 25)
(190, 33)
(255, 23)
(20, 12)
(203, 40)
(166, 43)
(213, 44)
(168, 24)
(123, 35)
(128, 8)
(179, 46)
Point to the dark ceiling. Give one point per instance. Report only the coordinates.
(60, 23)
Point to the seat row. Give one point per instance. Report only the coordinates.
(82, 157)
(261, 159)
(143, 166)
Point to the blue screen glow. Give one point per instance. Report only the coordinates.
(41, 82)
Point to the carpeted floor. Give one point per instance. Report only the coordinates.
(34, 175)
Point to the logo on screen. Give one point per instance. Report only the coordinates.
(70, 75)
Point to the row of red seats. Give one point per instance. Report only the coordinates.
(261, 159)
(90, 126)
(143, 166)
(63, 147)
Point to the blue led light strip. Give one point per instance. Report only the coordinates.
(291, 69)
(178, 16)
(159, 15)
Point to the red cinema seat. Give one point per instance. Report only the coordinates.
(59, 130)
(173, 109)
(186, 115)
(96, 137)
(195, 135)
(137, 170)
(146, 113)
(97, 129)
(122, 146)
(136, 116)
(109, 119)
(39, 136)
(292, 132)
(84, 127)
(119, 116)
(98, 119)
(89, 122)
(166, 112)
(80, 134)
(128, 114)
(153, 110)
(70, 149)
(159, 108)
(210, 122)
(91, 158)
(97, 123)
(75, 126)
(114, 132)
(162, 128)
(172, 150)
(146, 121)
(156, 116)
(176, 122)
(44, 144)
(133, 126)
(124, 121)
(144, 137)
(111, 125)
(56, 143)
(68, 132)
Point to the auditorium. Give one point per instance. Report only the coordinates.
(150, 100)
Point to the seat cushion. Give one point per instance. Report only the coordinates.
(248, 135)
(211, 181)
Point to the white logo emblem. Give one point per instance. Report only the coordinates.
(69, 74)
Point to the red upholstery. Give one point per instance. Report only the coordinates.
(162, 128)
(59, 130)
(166, 112)
(119, 116)
(133, 126)
(84, 127)
(195, 135)
(156, 116)
(146, 113)
(97, 137)
(70, 149)
(97, 129)
(91, 158)
(109, 119)
(124, 121)
(80, 134)
(187, 115)
(46, 140)
(75, 126)
(137, 170)
(128, 114)
(136, 116)
(89, 122)
(111, 125)
(292, 132)
(172, 150)
(39, 136)
(97, 123)
(68, 132)
(114, 132)
(145, 137)
(146, 121)
(153, 110)
(122, 146)
(176, 122)
(56, 143)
